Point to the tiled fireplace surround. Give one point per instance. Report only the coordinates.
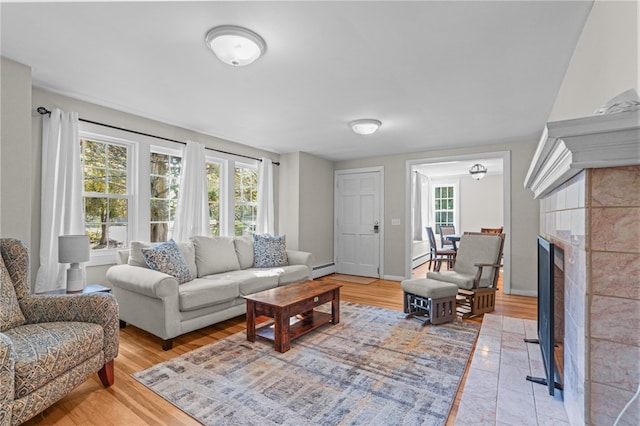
(595, 218)
(586, 174)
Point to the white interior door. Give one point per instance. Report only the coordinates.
(358, 224)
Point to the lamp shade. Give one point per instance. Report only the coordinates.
(73, 248)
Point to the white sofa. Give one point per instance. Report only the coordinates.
(223, 271)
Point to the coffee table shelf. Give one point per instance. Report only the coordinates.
(297, 327)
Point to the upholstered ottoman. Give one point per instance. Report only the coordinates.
(429, 300)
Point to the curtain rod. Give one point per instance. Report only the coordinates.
(43, 111)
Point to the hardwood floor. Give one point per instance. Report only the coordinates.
(128, 402)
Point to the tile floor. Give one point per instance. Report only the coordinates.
(496, 391)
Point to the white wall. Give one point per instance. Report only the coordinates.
(481, 203)
(605, 62)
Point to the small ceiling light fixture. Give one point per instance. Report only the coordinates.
(235, 45)
(478, 171)
(365, 126)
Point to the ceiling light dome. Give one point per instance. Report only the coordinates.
(478, 171)
(365, 126)
(235, 45)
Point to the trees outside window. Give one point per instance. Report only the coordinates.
(246, 199)
(213, 192)
(132, 185)
(165, 186)
(106, 193)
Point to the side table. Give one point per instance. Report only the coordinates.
(91, 288)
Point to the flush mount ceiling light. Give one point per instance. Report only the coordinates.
(478, 171)
(235, 45)
(365, 126)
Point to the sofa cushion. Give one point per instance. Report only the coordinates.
(293, 274)
(269, 252)
(186, 248)
(201, 293)
(463, 281)
(244, 251)
(167, 258)
(47, 350)
(250, 280)
(10, 312)
(215, 255)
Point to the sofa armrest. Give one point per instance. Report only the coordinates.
(7, 374)
(143, 281)
(98, 308)
(301, 258)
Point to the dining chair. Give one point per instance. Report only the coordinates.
(438, 255)
(444, 231)
(491, 230)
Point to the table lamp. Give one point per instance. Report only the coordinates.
(74, 249)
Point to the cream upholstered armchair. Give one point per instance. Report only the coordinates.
(475, 272)
(48, 344)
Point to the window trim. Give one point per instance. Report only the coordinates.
(455, 183)
(107, 256)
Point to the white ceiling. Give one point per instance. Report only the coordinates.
(437, 74)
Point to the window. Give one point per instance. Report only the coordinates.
(106, 193)
(213, 191)
(246, 199)
(131, 190)
(165, 183)
(444, 206)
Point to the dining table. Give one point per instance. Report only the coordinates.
(454, 238)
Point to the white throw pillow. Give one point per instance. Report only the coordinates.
(244, 250)
(215, 255)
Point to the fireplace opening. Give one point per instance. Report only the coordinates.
(550, 314)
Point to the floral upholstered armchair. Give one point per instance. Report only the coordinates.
(48, 344)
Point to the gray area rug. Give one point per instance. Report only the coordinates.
(374, 367)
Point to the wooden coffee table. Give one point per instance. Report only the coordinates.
(283, 303)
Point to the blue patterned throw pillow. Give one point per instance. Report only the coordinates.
(166, 257)
(269, 251)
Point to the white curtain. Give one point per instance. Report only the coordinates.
(427, 202)
(265, 219)
(192, 212)
(61, 211)
(417, 207)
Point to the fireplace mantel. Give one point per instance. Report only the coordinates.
(570, 146)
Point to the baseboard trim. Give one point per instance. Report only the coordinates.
(322, 270)
(420, 260)
(393, 277)
(528, 293)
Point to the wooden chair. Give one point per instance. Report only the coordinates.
(437, 255)
(491, 230)
(444, 231)
(475, 272)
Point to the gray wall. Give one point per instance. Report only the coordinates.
(16, 154)
(524, 209)
(306, 215)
